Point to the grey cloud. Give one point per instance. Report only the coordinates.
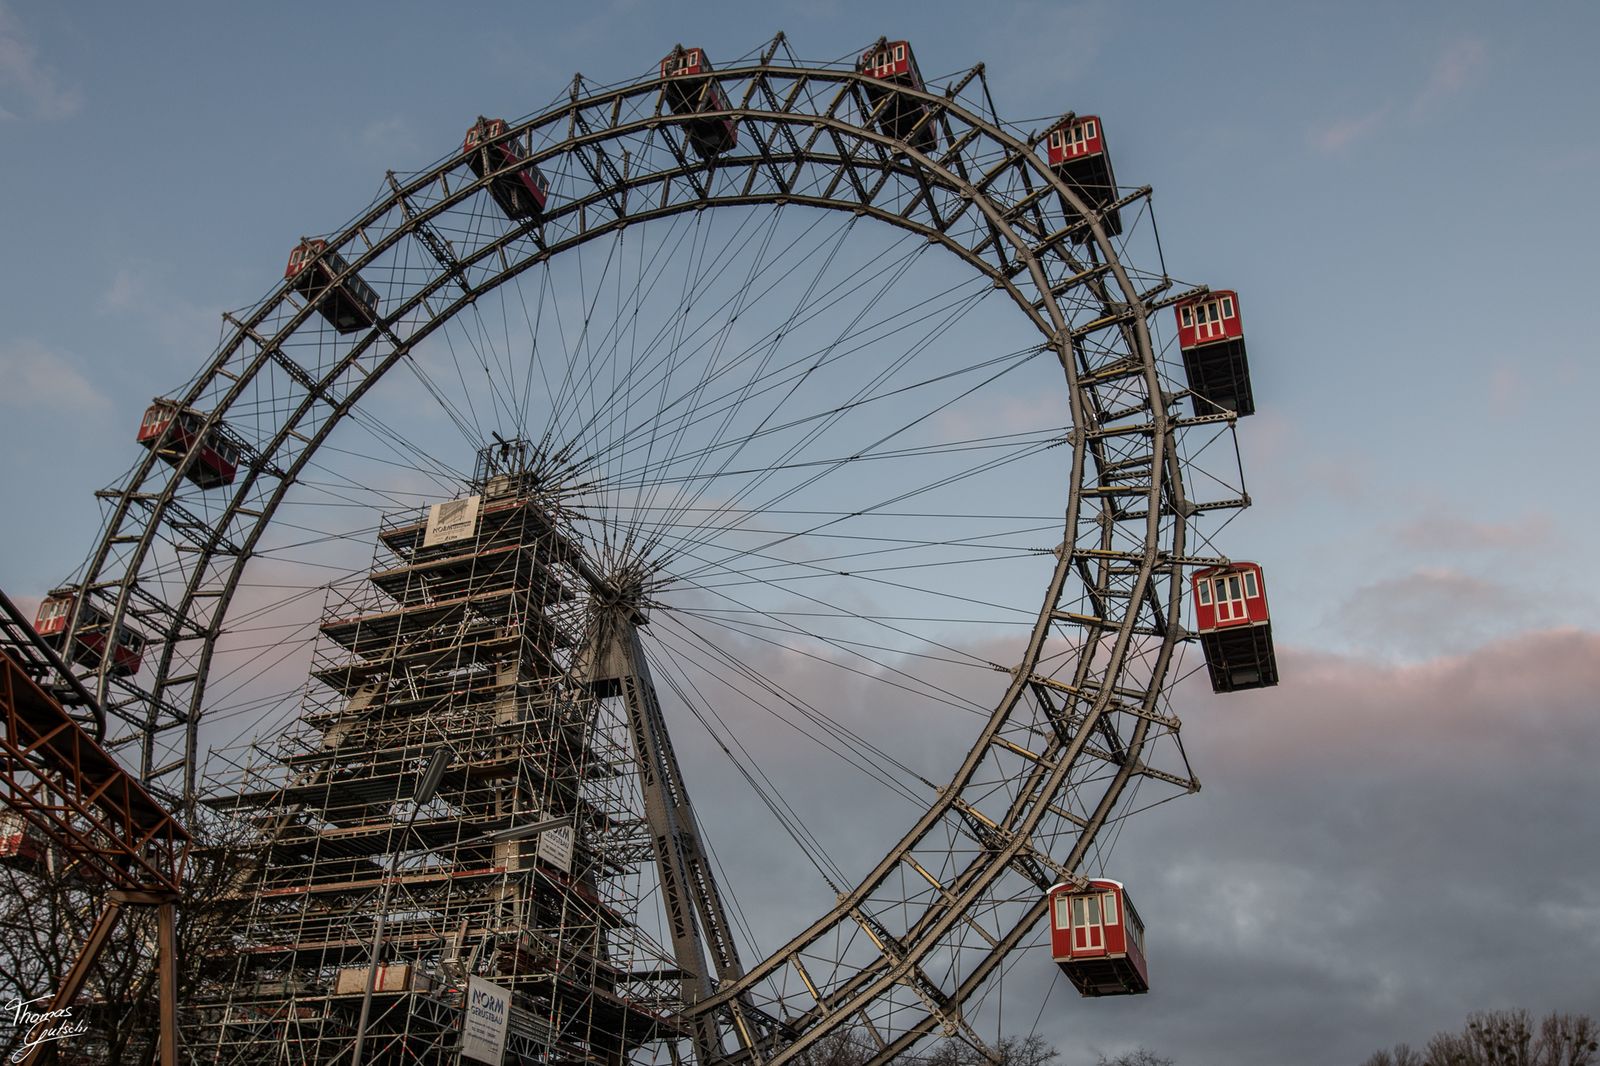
(1377, 851)
(1407, 845)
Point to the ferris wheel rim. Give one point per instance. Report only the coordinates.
(1021, 154)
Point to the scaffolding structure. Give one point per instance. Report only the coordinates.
(470, 637)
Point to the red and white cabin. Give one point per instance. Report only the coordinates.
(1209, 319)
(314, 270)
(690, 90)
(521, 191)
(1235, 627)
(891, 61)
(1227, 596)
(20, 844)
(905, 120)
(94, 627)
(214, 464)
(1075, 138)
(1075, 148)
(683, 62)
(1211, 334)
(1097, 938)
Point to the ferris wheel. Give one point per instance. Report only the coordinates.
(860, 424)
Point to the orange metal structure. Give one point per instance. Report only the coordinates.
(70, 791)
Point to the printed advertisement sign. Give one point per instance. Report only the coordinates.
(483, 1036)
(555, 847)
(452, 520)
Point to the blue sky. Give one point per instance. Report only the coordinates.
(1403, 195)
(1400, 193)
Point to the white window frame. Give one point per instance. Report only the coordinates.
(1088, 129)
(1090, 912)
(1227, 307)
(1251, 589)
(1063, 912)
(1188, 316)
(1108, 908)
(1203, 587)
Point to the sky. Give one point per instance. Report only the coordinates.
(1401, 832)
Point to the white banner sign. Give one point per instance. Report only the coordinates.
(555, 847)
(453, 520)
(483, 1036)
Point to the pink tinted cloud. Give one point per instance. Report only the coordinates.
(1454, 71)
(1339, 134)
(1508, 390)
(1522, 697)
(1346, 866)
(1449, 531)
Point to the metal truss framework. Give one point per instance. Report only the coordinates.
(71, 793)
(907, 946)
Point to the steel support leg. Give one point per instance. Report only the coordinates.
(167, 964)
(41, 1053)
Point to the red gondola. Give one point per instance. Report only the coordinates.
(20, 844)
(1076, 150)
(690, 91)
(1097, 938)
(1235, 627)
(1211, 334)
(521, 191)
(314, 270)
(94, 627)
(218, 458)
(906, 120)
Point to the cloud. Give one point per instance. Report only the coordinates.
(28, 606)
(1438, 530)
(30, 87)
(1433, 610)
(180, 325)
(1341, 882)
(38, 378)
(1341, 133)
(1452, 73)
(1508, 391)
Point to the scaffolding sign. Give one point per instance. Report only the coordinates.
(483, 1037)
(555, 847)
(451, 521)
